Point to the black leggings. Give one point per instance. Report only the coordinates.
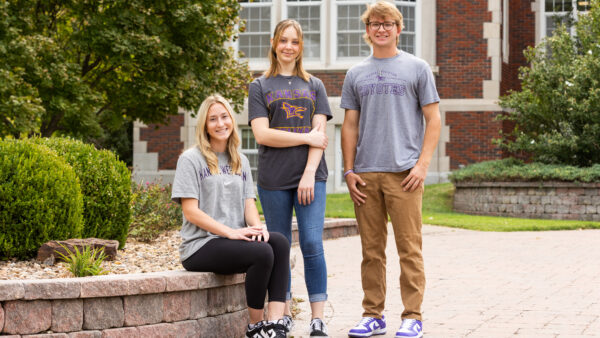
(265, 264)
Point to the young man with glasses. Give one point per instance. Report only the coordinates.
(387, 150)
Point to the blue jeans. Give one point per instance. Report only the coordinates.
(277, 207)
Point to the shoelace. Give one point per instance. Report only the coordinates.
(407, 323)
(365, 320)
(317, 324)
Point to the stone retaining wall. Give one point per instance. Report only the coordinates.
(163, 304)
(547, 200)
(160, 304)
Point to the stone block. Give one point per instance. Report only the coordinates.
(145, 284)
(591, 209)
(163, 330)
(217, 301)
(187, 329)
(577, 209)
(103, 313)
(226, 325)
(514, 199)
(1, 317)
(198, 303)
(27, 317)
(86, 334)
(183, 280)
(550, 209)
(176, 306)
(143, 309)
(47, 335)
(563, 209)
(237, 299)
(11, 290)
(67, 315)
(122, 332)
(104, 286)
(546, 200)
(66, 288)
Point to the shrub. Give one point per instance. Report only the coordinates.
(516, 170)
(105, 184)
(557, 111)
(153, 211)
(40, 198)
(87, 262)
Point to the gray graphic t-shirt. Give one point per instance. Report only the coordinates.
(290, 104)
(220, 196)
(389, 94)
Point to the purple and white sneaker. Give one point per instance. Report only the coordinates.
(412, 328)
(368, 327)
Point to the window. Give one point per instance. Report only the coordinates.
(408, 37)
(350, 30)
(308, 14)
(562, 11)
(250, 149)
(254, 42)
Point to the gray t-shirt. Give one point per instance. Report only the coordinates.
(290, 104)
(389, 94)
(220, 196)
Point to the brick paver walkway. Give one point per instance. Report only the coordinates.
(479, 284)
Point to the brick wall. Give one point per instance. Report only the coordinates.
(461, 48)
(333, 82)
(471, 135)
(165, 140)
(521, 35)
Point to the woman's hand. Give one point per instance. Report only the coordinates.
(264, 235)
(306, 188)
(317, 137)
(245, 234)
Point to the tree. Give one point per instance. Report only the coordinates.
(557, 111)
(85, 68)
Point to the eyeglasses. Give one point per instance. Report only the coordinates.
(388, 25)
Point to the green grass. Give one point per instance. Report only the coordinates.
(437, 210)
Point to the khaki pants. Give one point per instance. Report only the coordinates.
(385, 196)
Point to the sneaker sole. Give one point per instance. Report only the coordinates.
(368, 334)
(419, 336)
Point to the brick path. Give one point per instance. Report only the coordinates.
(479, 284)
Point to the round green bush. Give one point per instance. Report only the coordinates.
(40, 198)
(105, 184)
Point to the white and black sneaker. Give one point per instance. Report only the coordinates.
(318, 328)
(274, 329)
(255, 330)
(289, 323)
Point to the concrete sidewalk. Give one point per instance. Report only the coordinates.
(479, 284)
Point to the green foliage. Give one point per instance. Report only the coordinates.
(153, 211)
(557, 111)
(40, 198)
(105, 184)
(84, 263)
(515, 170)
(84, 69)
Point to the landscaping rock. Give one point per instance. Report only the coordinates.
(50, 248)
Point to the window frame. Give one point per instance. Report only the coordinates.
(322, 18)
(546, 15)
(262, 62)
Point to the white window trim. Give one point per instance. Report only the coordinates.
(260, 63)
(505, 32)
(544, 18)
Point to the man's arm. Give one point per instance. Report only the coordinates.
(349, 141)
(433, 125)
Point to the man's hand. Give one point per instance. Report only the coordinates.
(352, 180)
(415, 178)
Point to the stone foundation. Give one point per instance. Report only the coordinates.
(162, 304)
(545, 200)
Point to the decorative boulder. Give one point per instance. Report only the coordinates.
(47, 252)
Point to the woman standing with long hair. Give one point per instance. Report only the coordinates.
(221, 230)
(288, 111)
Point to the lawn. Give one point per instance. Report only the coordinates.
(437, 210)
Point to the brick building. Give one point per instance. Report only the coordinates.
(474, 48)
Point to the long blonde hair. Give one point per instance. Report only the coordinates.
(274, 65)
(203, 139)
